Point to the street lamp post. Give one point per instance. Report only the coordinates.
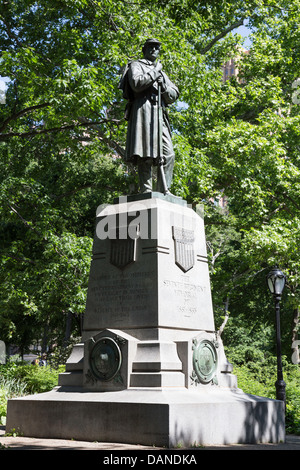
(276, 282)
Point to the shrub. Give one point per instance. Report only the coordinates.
(9, 388)
(17, 379)
(258, 378)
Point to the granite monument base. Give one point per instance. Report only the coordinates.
(163, 418)
(151, 368)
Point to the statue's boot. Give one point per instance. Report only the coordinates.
(168, 171)
(145, 174)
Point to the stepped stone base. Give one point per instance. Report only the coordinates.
(168, 418)
(151, 368)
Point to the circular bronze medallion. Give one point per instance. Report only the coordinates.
(205, 360)
(105, 359)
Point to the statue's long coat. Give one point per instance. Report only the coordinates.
(142, 131)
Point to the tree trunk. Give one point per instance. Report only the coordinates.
(220, 331)
(68, 329)
(295, 341)
(44, 346)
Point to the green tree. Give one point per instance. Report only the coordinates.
(62, 132)
(255, 152)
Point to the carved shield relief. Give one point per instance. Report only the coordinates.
(184, 248)
(123, 250)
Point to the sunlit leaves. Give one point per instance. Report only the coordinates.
(63, 130)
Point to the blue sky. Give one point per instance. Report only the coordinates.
(245, 32)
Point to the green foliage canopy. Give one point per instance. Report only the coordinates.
(62, 132)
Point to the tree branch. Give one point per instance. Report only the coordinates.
(221, 329)
(74, 191)
(221, 35)
(111, 143)
(38, 131)
(21, 113)
(17, 258)
(19, 215)
(83, 123)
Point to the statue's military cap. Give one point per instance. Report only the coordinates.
(152, 41)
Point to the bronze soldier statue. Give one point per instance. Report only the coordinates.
(149, 139)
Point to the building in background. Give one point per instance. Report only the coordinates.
(230, 68)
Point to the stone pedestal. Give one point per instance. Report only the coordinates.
(149, 275)
(150, 369)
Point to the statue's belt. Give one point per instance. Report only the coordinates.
(151, 96)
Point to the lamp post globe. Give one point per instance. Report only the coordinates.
(276, 282)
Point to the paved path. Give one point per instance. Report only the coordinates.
(30, 443)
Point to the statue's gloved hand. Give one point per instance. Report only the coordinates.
(161, 81)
